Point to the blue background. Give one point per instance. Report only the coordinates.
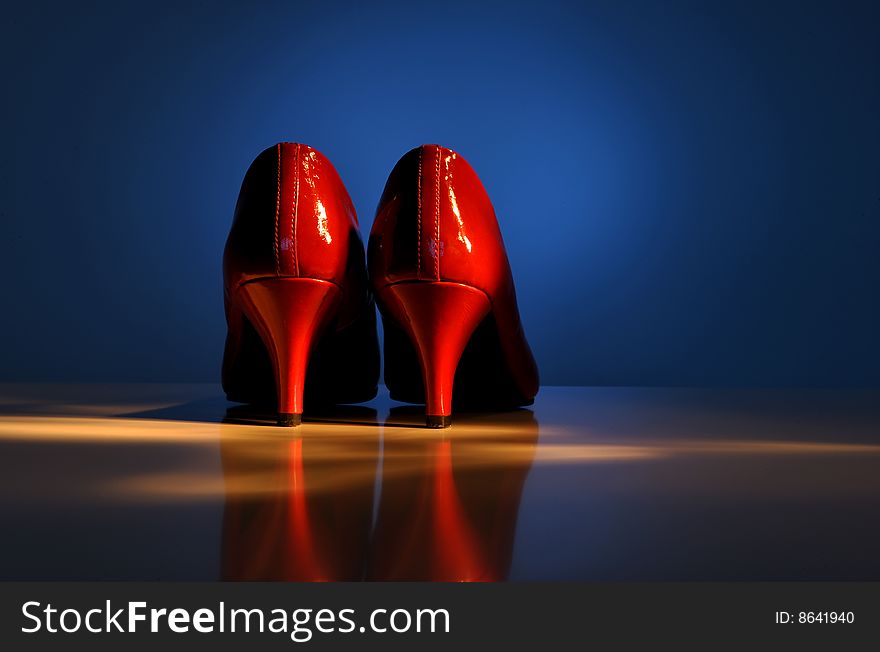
(690, 195)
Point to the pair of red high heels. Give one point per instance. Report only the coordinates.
(300, 301)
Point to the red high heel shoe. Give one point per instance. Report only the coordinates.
(444, 287)
(299, 310)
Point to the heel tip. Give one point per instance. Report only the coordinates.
(288, 420)
(435, 421)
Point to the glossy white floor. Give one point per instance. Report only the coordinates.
(171, 482)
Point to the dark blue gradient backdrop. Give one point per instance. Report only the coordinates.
(689, 192)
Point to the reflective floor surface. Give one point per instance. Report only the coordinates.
(171, 482)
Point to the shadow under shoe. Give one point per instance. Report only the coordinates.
(262, 415)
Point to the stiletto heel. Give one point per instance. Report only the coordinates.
(289, 314)
(439, 319)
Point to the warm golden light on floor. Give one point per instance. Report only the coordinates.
(366, 491)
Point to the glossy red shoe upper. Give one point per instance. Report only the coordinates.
(294, 218)
(435, 222)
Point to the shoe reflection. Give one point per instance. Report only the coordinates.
(450, 499)
(298, 508)
(301, 508)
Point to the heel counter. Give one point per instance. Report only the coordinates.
(435, 223)
(250, 249)
(406, 241)
(293, 219)
(322, 221)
